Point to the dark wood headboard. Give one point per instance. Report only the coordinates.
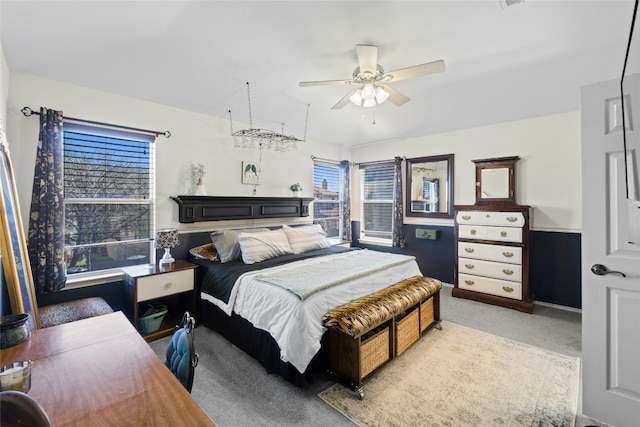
(213, 208)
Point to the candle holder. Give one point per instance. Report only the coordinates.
(16, 376)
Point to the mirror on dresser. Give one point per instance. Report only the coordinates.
(429, 191)
(496, 180)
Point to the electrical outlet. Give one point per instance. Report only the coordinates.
(427, 233)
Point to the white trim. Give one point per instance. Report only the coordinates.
(559, 307)
(101, 278)
(546, 304)
(376, 242)
(556, 230)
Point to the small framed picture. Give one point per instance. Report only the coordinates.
(250, 173)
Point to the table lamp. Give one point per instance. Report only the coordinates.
(167, 239)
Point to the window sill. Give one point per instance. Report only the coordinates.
(376, 242)
(99, 278)
(335, 241)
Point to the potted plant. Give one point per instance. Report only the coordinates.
(295, 188)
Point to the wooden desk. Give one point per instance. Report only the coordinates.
(101, 372)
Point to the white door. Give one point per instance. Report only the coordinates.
(610, 302)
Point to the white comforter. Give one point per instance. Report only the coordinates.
(294, 324)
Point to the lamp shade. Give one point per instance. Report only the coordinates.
(167, 238)
(356, 97)
(368, 91)
(381, 95)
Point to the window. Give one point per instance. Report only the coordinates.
(377, 188)
(108, 196)
(327, 197)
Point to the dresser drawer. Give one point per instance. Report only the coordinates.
(497, 270)
(160, 285)
(500, 253)
(491, 286)
(482, 232)
(504, 234)
(501, 219)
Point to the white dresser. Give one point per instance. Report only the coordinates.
(492, 255)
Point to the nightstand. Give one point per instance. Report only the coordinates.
(171, 285)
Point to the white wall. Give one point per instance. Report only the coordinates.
(548, 173)
(195, 138)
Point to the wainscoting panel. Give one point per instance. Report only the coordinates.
(555, 261)
(435, 257)
(556, 268)
(555, 264)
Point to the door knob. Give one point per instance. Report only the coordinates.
(601, 270)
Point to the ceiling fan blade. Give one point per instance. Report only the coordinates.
(325, 83)
(416, 71)
(396, 97)
(367, 58)
(344, 101)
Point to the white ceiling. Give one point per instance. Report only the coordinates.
(502, 64)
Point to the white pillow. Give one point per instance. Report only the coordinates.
(306, 238)
(256, 247)
(226, 242)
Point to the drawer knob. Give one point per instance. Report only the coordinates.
(466, 217)
(512, 218)
(507, 289)
(469, 250)
(503, 234)
(473, 232)
(469, 282)
(469, 266)
(167, 285)
(507, 254)
(488, 216)
(507, 272)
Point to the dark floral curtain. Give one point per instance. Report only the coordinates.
(397, 236)
(345, 201)
(46, 216)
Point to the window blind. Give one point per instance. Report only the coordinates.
(108, 187)
(377, 200)
(326, 193)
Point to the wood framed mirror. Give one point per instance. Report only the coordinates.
(429, 191)
(496, 181)
(13, 246)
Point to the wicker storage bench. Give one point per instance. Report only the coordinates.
(367, 333)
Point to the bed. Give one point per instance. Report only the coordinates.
(272, 308)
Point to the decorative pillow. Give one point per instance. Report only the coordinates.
(226, 242)
(207, 251)
(306, 238)
(256, 247)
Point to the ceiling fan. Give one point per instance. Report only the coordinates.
(371, 80)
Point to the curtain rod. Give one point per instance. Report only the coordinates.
(375, 162)
(336, 162)
(27, 111)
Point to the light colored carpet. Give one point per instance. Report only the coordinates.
(462, 376)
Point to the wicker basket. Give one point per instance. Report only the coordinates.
(152, 319)
(426, 314)
(407, 331)
(374, 352)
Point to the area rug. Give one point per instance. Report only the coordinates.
(463, 377)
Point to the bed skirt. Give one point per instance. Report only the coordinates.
(259, 344)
